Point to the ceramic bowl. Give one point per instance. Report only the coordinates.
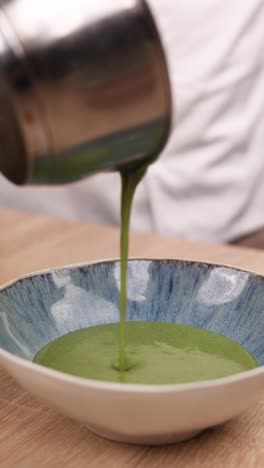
(41, 307)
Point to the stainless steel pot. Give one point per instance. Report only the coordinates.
(84, 88)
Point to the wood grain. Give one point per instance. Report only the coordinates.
(33, 436)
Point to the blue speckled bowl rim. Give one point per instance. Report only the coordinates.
(125, 387)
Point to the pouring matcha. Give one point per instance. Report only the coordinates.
(66, 113)
(143, 352)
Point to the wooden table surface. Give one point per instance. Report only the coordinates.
(32, 436)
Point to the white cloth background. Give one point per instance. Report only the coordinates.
(209, 182)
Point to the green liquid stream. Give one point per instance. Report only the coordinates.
(130, 180)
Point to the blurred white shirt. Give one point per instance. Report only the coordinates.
(209, 182)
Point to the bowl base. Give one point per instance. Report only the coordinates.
(145, 439)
